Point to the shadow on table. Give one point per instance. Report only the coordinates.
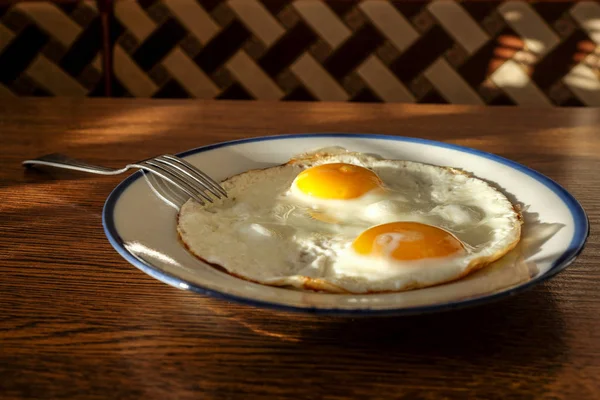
(470, 334)
(455, 349)
(45, 174)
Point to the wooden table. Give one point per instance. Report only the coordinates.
(77, 321)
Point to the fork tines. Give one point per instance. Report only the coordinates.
(184, 175)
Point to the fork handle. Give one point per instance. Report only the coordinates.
(62, 161)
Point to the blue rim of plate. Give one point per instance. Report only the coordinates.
(576, 245)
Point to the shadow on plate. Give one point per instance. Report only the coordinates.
(534, 232)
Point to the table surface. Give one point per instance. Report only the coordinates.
(77, 321)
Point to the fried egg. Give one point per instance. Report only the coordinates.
(347, 222)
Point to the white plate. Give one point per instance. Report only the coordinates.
(141, 226)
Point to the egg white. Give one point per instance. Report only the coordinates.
(270, 232)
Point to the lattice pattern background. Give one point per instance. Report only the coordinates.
(466, 52)
(50, 50)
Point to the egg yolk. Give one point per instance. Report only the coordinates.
(337, 181)
(405, 241)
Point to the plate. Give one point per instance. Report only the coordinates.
(140, 222)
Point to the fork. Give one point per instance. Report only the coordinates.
(174, 170)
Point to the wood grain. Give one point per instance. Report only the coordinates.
(77, 321)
